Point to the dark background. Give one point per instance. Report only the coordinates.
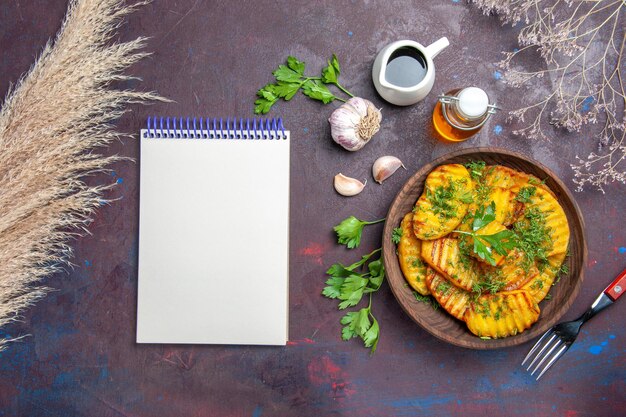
(210, 57)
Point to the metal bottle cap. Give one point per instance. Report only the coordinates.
(473, 103)
(468, 109)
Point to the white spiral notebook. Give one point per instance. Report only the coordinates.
(213, 232)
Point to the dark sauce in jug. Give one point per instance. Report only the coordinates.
(406, 67)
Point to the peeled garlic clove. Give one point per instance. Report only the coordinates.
(384, 167)
(348, 186)
(354, 123)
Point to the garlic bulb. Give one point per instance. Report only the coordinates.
(384, 167)
(348, 186)
(354, 123)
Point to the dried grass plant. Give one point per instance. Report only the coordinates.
(53, 125)
(583, 45)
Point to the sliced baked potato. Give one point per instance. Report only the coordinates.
(444, 256)
(504, 177)
(508, 178)
(453, 299)
(410, 257)
(501, 315)
(517, 271)
(555, 220)
(444, 202)
(513, 272)
(508, 209)
(540, 285)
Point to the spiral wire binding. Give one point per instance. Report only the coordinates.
(188, 128)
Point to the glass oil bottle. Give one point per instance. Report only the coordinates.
(461, 113)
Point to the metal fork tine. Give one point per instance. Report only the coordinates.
(547, 355)
(537, 345)
(541, 351)
(554, 359)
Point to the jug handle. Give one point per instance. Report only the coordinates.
(434, 48)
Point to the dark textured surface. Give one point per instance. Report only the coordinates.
(210, 57)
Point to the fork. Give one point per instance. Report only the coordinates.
(561, 336)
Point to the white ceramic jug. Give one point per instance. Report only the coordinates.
(406, 95)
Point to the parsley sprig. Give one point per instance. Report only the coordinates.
(500, 242)
(349, 286)
(358, 324)
(349, 231)
(290, 79)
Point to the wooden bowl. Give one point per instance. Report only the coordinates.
(438, 322)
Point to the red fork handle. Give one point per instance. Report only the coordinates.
(617, 287)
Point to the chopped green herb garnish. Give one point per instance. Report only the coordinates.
(489, 282)
(464, 248)
(537, 285)
(525, 194)
(536, 181)
(443, 200)
(466, 197)
(476, 169)
(482, 308)
(417, 263)
(396, 235)
(482, 191)
(533, 238)
(498, 314)
(426, 299)
(443, 288)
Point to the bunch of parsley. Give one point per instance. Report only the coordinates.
(290, 79)
(349, 284)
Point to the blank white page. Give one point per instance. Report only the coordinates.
(213, 241)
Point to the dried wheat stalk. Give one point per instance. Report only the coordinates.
(51, 126)
(583, 45)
